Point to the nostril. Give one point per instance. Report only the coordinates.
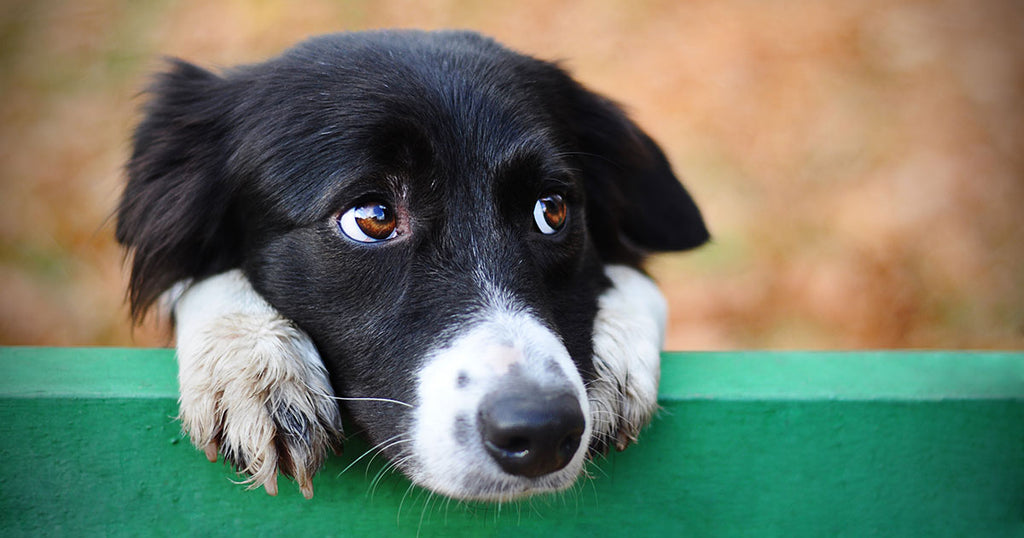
(570, 444)
(530, 432)
(516, 446)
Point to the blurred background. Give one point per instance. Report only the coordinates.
(861, 164)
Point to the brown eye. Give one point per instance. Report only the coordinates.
(369, 223)
(549, 213)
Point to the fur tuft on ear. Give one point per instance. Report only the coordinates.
(635, 203)
(173, 213)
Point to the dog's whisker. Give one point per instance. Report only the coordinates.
(426, 506)
(390, 467)
(384, 400)
(447, 509)
(594, 465)
(398, 514)
(377, 478)
(380, 450)
(374, 450)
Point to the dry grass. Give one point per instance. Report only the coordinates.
(861, 163)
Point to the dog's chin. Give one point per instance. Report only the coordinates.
(495, 486)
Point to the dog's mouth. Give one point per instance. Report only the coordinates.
(502, 414)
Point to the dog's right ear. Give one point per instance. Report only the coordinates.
(173, 213)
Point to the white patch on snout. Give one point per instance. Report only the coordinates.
(507, 345)
(502, 358)
(628, 336)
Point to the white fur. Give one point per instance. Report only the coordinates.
(628, 335)
(238, 362)
(504, 339)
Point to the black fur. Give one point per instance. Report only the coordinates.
(249, 169)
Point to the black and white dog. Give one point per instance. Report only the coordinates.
(444, 233)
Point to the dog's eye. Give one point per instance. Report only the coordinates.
(369, 223)
(549, 213)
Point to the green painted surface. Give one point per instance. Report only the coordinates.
(748, 444)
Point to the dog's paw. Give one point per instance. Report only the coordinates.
(628, 335)
(252, 385)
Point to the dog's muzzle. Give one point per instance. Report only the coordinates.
(502, 413)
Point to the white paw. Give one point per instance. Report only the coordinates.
(628, 335)
(252, 385)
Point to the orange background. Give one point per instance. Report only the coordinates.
(861, 164)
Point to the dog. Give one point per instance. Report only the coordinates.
(437, 235)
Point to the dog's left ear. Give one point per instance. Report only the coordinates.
(635, 204)
(173, 215)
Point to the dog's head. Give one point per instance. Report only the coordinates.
(440, 215)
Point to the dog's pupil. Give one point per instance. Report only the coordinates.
(554, 210)
(375, 220)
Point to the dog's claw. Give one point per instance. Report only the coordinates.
(623, 440)
(304, 477)
(270, 486)
(307, 489)
(211, 451)
(289, 446)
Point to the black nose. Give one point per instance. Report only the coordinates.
(530, 431)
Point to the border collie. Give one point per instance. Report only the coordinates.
(442, 232)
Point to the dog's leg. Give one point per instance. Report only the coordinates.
(628, 335)
(252, 384)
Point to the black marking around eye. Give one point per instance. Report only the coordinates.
(462, 381)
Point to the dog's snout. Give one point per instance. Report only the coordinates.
(530, 431)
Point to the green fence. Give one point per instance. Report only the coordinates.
(747, 444)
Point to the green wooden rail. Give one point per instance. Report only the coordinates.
(747, 444)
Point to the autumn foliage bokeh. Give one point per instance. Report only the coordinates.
(860, 164)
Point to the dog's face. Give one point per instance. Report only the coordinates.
(439, 215)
